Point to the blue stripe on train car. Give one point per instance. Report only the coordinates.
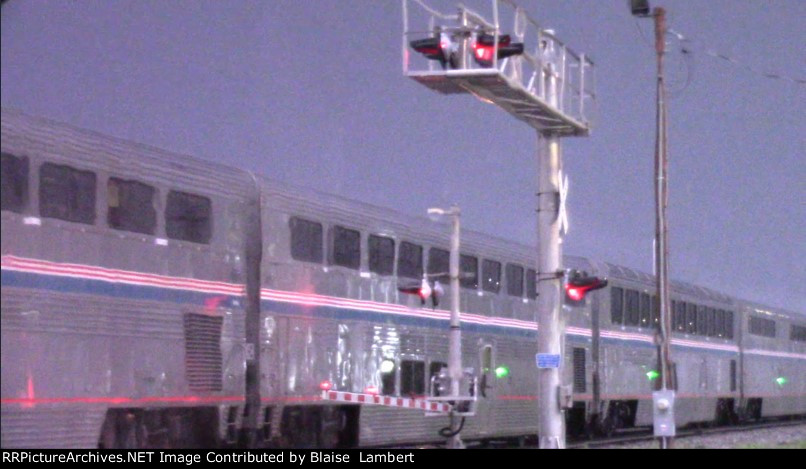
(154, 293)
(110, 289)
(294, 309)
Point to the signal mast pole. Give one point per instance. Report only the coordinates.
(455, 335)
(539, 80)
(551, 330)
(455, 338)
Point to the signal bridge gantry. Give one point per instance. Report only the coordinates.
(539, 80)
(528, 72)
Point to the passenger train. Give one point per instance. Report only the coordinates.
(156, 300)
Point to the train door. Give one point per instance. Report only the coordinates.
(273, 347)
(486, 389)
(575, 417)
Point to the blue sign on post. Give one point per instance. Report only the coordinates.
(547, 360)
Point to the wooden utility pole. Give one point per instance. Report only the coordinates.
(661, 227)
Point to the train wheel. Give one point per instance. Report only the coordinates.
(609, 426)
(575, 420)
(754, 409)
(722, 413)
(613, 421)
(725, 412)
(592, 427)
(129, 434)
(332, 426)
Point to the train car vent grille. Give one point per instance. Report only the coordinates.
(579, 370)
(203, 360)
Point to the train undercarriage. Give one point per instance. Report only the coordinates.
(337, 426)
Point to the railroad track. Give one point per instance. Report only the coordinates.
(624, 437)
(638, 436)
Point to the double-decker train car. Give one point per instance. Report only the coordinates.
(155, 300)
(123, 288)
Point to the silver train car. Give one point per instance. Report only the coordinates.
(155, 300)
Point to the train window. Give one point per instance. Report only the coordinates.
(771, 328)
(67, 193)
(491, 276)
(131, 206)
(702, 320)
(645, 310)
(729, 324)
(346, 247)
(632, 307)
(410, 260)
(306, 240)
(762, 327)
(439, 263)
(486, 361)
(412, 378)
(720, 323)
(691, 318)
(531, 284)
(514, 274)
(469, 271)
(388, 377)
(797, 333)
(656, 311)
(381, 255)
(616, 305)
(188, 217)
(711, 316)
(14, 185)
(678, 316)
(433, 371)
(674, 315)
(756, 326)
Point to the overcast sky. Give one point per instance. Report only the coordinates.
(312, 92)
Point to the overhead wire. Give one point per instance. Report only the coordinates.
(686, 49)
(756, 70)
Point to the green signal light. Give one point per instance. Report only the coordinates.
(781, 381)
(652, 375)
(501, 372)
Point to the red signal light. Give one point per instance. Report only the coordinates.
(425, 290)
(430, 47)
(421, 289)
(483, 53)
(575, 293)
(484, 47)
(440, 47)
(580, 284)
